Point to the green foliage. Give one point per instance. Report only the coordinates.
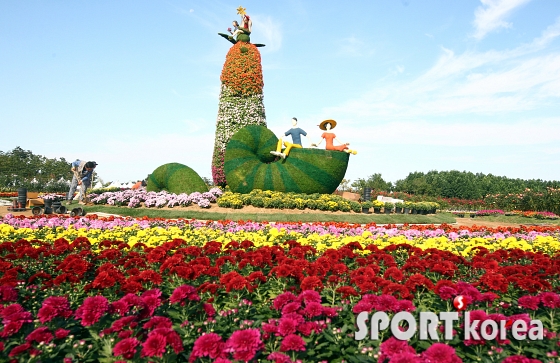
(176, 178)
(278, 200)
(367, 204)
(466, 185)
(248, 165)
(22, 169)
(374, 181)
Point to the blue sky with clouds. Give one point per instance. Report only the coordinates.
(414, 85)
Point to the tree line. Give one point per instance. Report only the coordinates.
(21, 168)
(455, 184)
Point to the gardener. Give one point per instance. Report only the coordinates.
(82, 175)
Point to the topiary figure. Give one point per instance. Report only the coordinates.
(241, 98)
(175, 178)
(249, 165)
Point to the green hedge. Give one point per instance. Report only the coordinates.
(175, 178)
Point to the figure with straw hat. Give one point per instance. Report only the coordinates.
(329, 137)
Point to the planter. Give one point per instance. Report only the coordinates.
(424, 212)
(473, 215)
(377, 210)
(414, 211)
(387, 211)
(365, 210)
(399, 210)
(48, 203)
(407, 211)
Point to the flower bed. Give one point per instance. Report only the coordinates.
(82, 289)
(134, 198)
(537, 215)
(491, 213)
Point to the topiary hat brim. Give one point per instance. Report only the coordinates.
(323, 125)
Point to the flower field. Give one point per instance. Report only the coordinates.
(153, 290)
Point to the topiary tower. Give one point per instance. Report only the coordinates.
(241, 99)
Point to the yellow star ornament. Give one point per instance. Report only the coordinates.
(241, 10)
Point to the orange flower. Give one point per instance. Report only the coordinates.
(242, 72)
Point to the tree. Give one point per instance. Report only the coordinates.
(22, 168)
(375, 182)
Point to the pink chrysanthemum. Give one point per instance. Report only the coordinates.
(92, 310)
(278, 357)
(287, 326)
(244, 344)
(53, 307)
(154, 346)
(393, 346)
(529, 302)
(40, 335)
(292, 342)
(126, 348)
(440, 353)
(184, 292)
(208, 345)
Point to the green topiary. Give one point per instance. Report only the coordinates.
(249, 165)
(175, 178)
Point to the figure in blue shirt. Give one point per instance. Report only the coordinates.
(296, 133)
(83, 174)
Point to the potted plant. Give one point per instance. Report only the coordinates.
(377, 205)
(366, 206)
(388, 207)
(399, 206)
(435, 207)
(407, 207)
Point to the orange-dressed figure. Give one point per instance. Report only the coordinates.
(329, 137)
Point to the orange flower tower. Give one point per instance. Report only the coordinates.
(241, 96)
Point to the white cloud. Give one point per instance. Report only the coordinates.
(268, 31)
(456, 133)
(492, 14)
(472, 84)
(350, 47)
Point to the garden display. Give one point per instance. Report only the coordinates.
(90, 289)
(175, 178)
(242, 155)
(249, 165)
(115, 290)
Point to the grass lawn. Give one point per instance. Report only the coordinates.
(236, 215)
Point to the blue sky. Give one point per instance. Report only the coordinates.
(414, 85)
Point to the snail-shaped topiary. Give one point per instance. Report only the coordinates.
(249, 165)
(175, 178)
